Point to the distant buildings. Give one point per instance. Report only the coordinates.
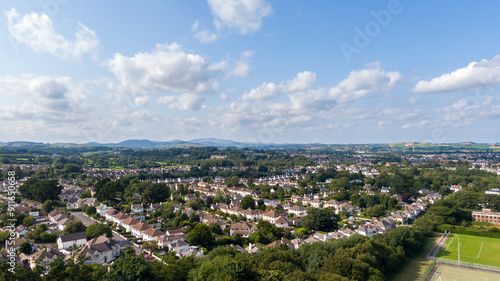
(494, 191)
(486, 215)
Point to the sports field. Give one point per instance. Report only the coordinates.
(453, 273)
(474, 249)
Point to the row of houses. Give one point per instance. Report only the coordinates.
(172, 239)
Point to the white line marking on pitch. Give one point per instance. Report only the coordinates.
(450, 243)
(480, 249)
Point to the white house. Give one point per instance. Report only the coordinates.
(139, 228)
(101, 250)
(78, 239)
(152, 234)
(137, 208)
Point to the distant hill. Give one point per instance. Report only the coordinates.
(216, 142)
(137, 143)
(411, 147)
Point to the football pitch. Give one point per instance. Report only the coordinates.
(473, 249)
(453, 273)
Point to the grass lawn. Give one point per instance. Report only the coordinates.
(454, 273)
(475, 249)
(418, 266)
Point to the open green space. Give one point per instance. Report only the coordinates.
(475, 249)
(453, 273)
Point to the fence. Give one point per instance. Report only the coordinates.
(428, 271)
(439, 244)
(469, 264)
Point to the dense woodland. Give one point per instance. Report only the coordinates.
(355, 258)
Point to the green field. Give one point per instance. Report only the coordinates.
(453, 273)
(475, 249)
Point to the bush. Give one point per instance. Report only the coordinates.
(492, 232)
(48, 237)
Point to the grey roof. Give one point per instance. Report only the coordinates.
(73, 236)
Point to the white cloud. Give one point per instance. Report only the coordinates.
(206, 36)
(36, 31)
(141, 101)
(302, 82)
(241, 69)
(243, 15)
(475, 75)
(49, 98)
(359, 83)
(182, 102)
(165, 69)
(265, 91)
(248, 54)
(195, 25)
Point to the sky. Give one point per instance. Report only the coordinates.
(265, 71)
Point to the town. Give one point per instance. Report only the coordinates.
(186, 205)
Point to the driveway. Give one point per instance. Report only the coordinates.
(81, 217)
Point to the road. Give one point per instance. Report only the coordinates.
(88, 221)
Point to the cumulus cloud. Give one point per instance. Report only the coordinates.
(142, 100)
(301, 88)
(224, 96)
(168, 68)
(302, 82)
(243, 15)
(36, 31)
(242, 67)
(206, 36)
(303, 105)
(182, 102)
(265, 91)
(50, 98)
(474, 75)
(359, 83)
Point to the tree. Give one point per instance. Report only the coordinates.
(193, 217)
(155, 193)
(247, 202)
(150, 245)
(73, 227)
(25, 248)
(320, 219)
(90, 210)
(425, 225)
(29, 220)
(216, 229)
(375, 211)
(86, 194)
(130, 268)
(98, 229)
(40, 190)
(200, 235)
(109, 190)
(48, 206)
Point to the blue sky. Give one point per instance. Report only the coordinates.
(250, 70)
